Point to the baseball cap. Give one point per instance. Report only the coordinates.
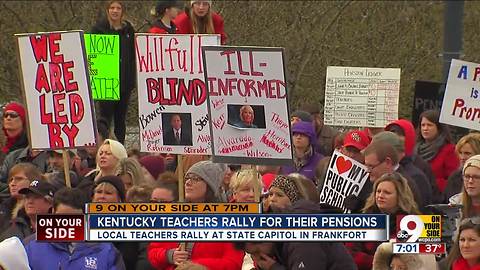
(40, 187)
(356, 138)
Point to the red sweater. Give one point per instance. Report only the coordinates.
(213, 255)
(184, 25)
(444, 164)
(462, 264)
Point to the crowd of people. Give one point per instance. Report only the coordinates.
(409, 168)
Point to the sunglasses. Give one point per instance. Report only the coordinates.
(11, 114)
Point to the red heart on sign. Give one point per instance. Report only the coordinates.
(343, 165)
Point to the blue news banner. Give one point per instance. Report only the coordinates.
(237, 227)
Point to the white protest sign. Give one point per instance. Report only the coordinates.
(56, 89)
(172, 96)
(361, 96)
(247, 95)
(461, 105)
(344, 177)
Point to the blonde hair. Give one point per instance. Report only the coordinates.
(202, 25)
(473, 139)
(130, 166)
(246, 177)
(405, 199)
(139, 194)
(108, 187)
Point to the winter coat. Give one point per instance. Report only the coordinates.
(414, 187)
(19, 227)
(213, 255)
(6, 209)
(363, 252)
(308, 170)
(419, 162)
(419, 178)
(85, 255)
(462, 264)
(312, 256)
(23, 155)
(454, 184)
(444, 164)
(159, 27)
(127, 52)
(184, 25)
(383, 255)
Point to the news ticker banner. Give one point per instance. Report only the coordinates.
(173, 208)
(212, 227)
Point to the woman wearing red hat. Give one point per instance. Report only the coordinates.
(14, 127)
(200, 19)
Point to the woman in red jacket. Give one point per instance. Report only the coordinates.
(434, 145)
(200, 19)
(465, 254)
(202, 184)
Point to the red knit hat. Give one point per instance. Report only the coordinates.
(16, 107)
(154, 165)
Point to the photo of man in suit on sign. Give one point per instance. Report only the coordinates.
(177, 133)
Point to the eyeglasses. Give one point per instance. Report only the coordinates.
(193, 179)
(11, 114)
(372, 167)
(474, 177)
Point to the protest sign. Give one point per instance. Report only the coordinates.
(247, 104)
(426, 97)
(344, 177)
(103, 54)
(462, 93)
(361, 97)
(56, 89)
(172, 96)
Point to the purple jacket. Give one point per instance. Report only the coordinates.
(308, 170)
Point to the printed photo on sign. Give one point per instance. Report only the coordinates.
(345, 176)
(460, 103)
(177, 128)
(56, 90)
(171, 80)
(247, 105)
(246, 116)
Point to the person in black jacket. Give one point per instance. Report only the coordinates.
(299, 255)
(115, 24)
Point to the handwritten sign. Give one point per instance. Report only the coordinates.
(103, 54)
(344, 177)
(460, 105)
(56, 90)
(247, 102)
(361, 97)
(172, 95)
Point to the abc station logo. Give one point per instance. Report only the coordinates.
(419, 228)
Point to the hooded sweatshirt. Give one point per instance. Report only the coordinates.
(418, 169)
(308, 168)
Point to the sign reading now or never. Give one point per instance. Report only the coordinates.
(65, 228)
(103, 55)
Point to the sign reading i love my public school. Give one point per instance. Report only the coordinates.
(344, 177)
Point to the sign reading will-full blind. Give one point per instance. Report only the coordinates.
(103, 55)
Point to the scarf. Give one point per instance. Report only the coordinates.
(429, 150)
(302, 161)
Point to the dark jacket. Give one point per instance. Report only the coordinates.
(185, 137)
(129, 252)
(159, 27)
(6, 208)
(23, 155)
(19, 227)
(127, 52)
(48, 255)
(419, 162)
(311, 255)
(414, 187)
(454, 185)
(419, 178)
